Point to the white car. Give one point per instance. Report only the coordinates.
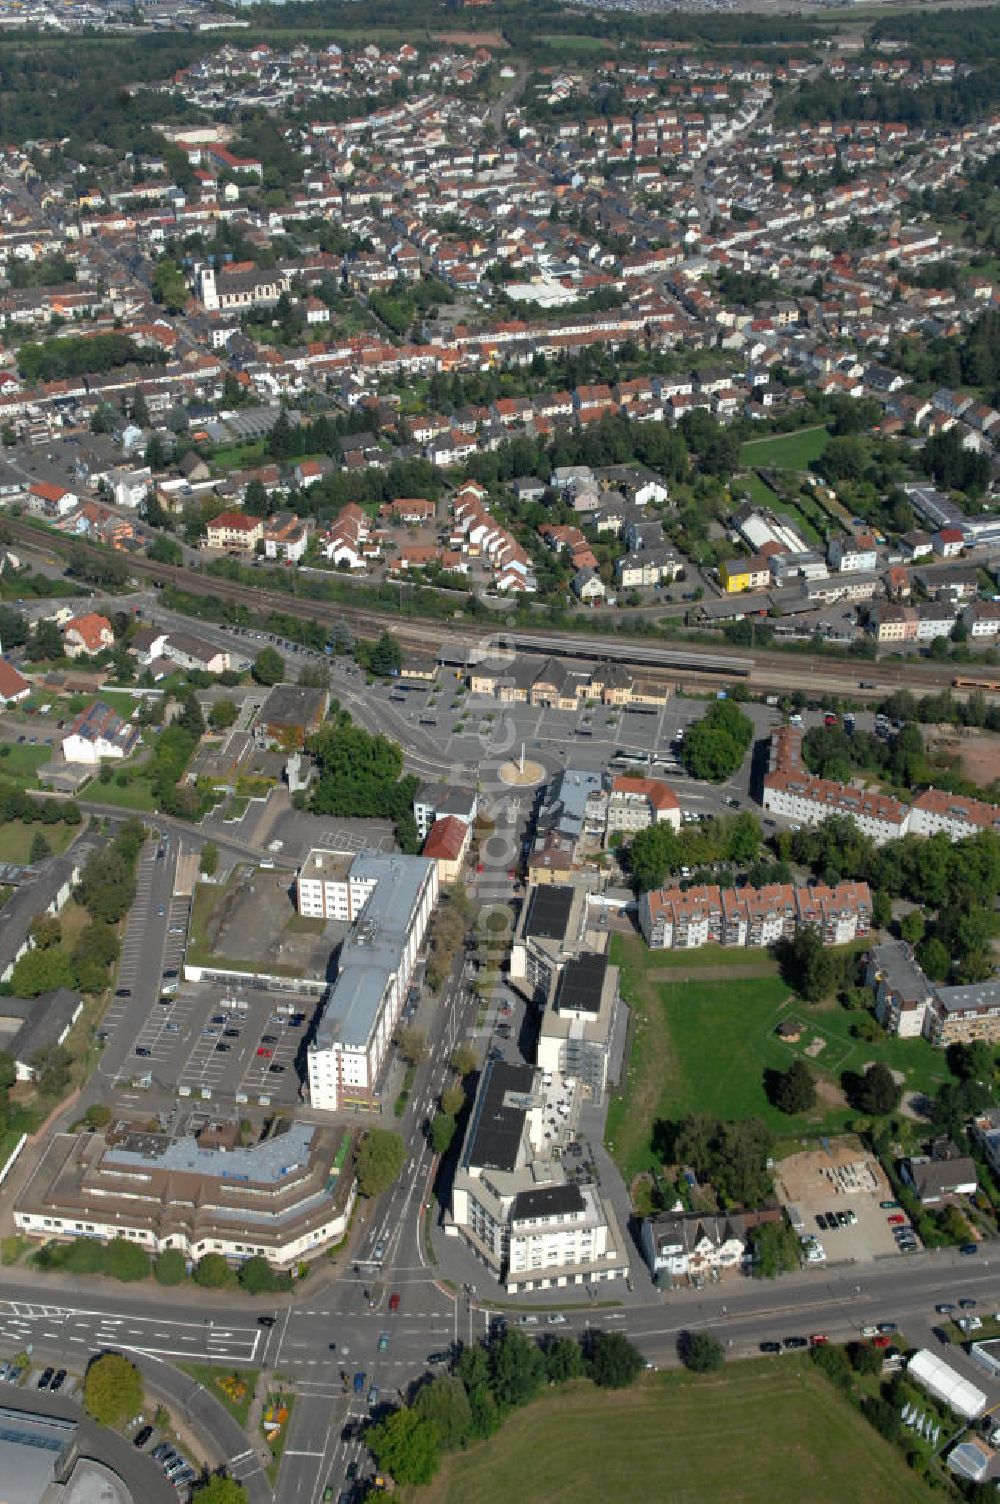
(555, 1319)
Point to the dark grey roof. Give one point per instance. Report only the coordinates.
(548, 912)
(47, 1018)
(581, 984)
(548, 1201)
(294, 705)
(498, 1116)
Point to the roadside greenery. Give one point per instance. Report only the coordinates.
(489, 1381)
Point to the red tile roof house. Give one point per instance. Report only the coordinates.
(86, 635)
(12, 686)
(447, 842)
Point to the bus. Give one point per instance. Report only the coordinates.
(992, 685)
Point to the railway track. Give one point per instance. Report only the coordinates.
(687, 664)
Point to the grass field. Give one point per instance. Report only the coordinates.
(136, 793)
(788, 1436)
(17, 836)
(21, 763)
(786, 451)
(703, 1045)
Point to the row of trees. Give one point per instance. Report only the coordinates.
(489, 1381)
(660, 849)
(126, 1261)
(106, 890)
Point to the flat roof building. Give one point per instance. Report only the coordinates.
(283, 1198)
(389, 901)
(512, 1200)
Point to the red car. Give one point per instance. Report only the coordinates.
(264, 1052)
(818, 1339)
(880, 1341)
(394, 1302)
(896, 1220)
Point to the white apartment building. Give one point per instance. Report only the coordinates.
(389, 901)
(635, 803)
(512, 1201)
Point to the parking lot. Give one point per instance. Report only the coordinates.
(212, 1041)
(843, 1186)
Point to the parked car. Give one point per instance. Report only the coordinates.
(142, 1437)
(46, 1377)
(794, 1342)
(770, 1347)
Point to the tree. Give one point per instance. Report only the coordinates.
(653, 853)
(700, 1352)
(46, 641)
(256, 1276)
(52, 1066)
(970, 1062)
(411, 1044)
(212, 1272)
(191, 718)
(40, 848)
(464, 1059)
(222, 715)
(775, 1249)
(613, 1362)
(170, 1267)
(165, 551)
(864, 1358)
(935, 959)
(453, 1099)
(517, 1369)
(218, 1489)
(715, 746)
(45, 930)
(442, 1132)
(912, 926)
(795, 1089)
(112, 1390)
(268, 667)
(13, 629)
(406, 1446)
(875, 1092)
(140, 409)
(807, 965)
(209, 858)
(380, 1160)
(385, 657)
(444, 1404)
(126, 1261)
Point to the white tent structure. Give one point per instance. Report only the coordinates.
(947, 1385)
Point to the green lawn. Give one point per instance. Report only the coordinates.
(21, 762)
(17, 836)
(768, 1432)
(786, 451)
(703, 1045)
(136, 793)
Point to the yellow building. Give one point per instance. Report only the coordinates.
(753, 573)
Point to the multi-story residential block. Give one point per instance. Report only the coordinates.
(550, 930)
(683, 919)
(574, 1034)
(235, 530)
(789, 791)
(389, 900)
(635, 803)
(512, 1201)
(908, 1003)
